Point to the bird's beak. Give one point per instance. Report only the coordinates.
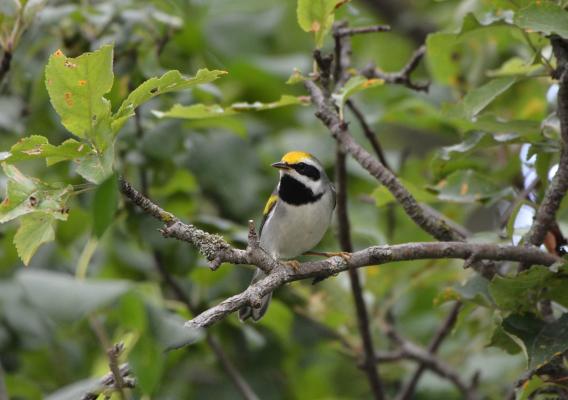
(281, 165)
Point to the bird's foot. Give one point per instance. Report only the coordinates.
(343, 254)
(294, 264)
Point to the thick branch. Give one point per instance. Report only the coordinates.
(280, 273)
(401, 77)
(370, 256)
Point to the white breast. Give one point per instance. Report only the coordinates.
(293, 230)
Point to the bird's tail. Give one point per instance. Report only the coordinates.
(256, 313)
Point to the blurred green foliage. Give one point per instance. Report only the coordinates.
(198, 147)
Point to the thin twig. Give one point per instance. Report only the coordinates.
(108, 382)
(369, 133)
(113, 353)
(402, 77)
(369, 365)
(407, 391)
(361, 30)
(5, 64)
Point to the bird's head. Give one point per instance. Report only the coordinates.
(304, 168)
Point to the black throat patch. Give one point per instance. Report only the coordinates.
(295, 192)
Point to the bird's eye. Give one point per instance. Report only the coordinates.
(301, 167)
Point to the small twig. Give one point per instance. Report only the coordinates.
(401, 77)
(108, 382)
(370, 367)
(113, 353)
(369, 133)
(407, 391)
(5, 64)
(361, 30)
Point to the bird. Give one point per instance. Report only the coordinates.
(295, 217)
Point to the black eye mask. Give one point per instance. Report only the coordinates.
(307, 170)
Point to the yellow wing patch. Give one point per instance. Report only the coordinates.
(295, 157)
(270, 203)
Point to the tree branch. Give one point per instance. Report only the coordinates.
(401, 77)
(408, 390)
(328, 115)
(427, 358)
(108, 382)
(361, 30)
(280, 273)
(369, 365)
(113, 353)
(546, 212)
(5, 64)
(369, 133)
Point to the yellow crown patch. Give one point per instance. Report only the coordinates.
(295, 157)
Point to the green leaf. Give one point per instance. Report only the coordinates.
(520, 293)
(445, 52)
(279, 320)
(105, 203)
(479, 98)
(524, 330)
(148, 362)
(65, 298)
(383, 196)
(475, 290)
(25, 195)
(515, 66)
(551, 340)
(96, 167)
(316, 16)
(35, 230)
(544, 17)
(76, 88)
(502, 340)
(169, 82)
(35, 146)
(468, 186)
(354, 85)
